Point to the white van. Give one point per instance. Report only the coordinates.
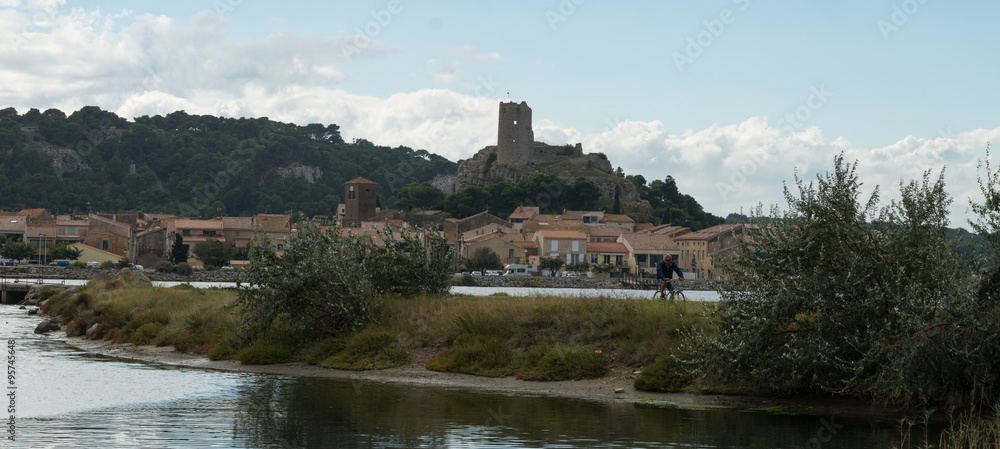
(520, 269)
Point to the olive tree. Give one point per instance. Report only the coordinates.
(327, 282)
(840, 294)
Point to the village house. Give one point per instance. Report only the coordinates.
(647, 250)
(568, 245)
(700, 251)
(508, 251)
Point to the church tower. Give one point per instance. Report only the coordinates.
(359, 201)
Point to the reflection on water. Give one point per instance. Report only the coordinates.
(70, 399)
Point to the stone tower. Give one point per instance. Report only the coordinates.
(514, 136)
(359, 201)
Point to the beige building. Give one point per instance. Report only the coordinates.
(647, 250)
(90, 254)
(570, 246)
(508, 251)
(700, 251)
(614, 254)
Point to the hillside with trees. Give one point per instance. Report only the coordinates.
(197, 165)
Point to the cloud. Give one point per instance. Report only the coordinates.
(445, 72)
(733, 167)
(471, 52)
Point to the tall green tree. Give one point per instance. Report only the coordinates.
(178, 250)
(420, 196)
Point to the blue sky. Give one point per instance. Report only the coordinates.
(729, 97)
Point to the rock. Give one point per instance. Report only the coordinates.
(32, 311)
(22, 307)
(46, 326)
(92, 329)
(619, 390)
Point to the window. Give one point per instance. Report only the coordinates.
(555, 245)
(618, 261)
(640, 258)
(281, 247)
(71, 230)
(105, 245)
(576, 246)
(593, 258)
(510, 254)
(607, 258)
(186, 232)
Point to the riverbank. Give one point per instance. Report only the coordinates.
(217, 276)
(616, 386)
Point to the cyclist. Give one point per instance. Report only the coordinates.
(665, 272)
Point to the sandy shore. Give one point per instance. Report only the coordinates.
(616, 386)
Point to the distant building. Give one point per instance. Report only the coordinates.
(359, 201)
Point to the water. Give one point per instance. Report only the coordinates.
(692, 295)
(66, 398)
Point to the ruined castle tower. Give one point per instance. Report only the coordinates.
(514, 136)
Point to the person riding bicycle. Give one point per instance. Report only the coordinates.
(665, 273)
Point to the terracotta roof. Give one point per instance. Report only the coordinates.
(67, 222)
(619, 218)
(16, 223)
(237, 223)
(709, 232)
(562, 234)
(187, 223)
(525, 244)
(524, 213)
(483, 238)
(273, 223)
(360, 180)
(606, 231)
(648, 242)
(202, 238)
(607, 247)
(31, 213)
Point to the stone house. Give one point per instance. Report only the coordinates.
(646, 250)
(620, 220)
(110, 235)
(277, 227)
(13, 227)
(508, 251)
(605, 233)
(71, 228)
(700, 251)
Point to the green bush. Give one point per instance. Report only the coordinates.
(561, 362)
(164, 266)
(474, 354)
(78, 264)
(667, 374)
(369, 350)
(107, 264)
(183, 269)
(144, 334)
(262, 353)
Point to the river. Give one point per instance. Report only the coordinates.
(67, 398)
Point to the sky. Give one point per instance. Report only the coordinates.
(732, 98)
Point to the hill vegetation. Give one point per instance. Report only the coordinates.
(204, 166)
(197, 165)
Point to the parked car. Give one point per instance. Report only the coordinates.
(569, 274)
(137, 267)
(93, 265)
(492, 273)
(477, 273)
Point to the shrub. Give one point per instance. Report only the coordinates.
(144, 334)
(474, 354)
(107, 264)
(667, 374)
(183, 269)
(561, 362)
(369, 350)
(78, 264)
(47, 293)
(262, 353)
(164, 266)
(840, 294)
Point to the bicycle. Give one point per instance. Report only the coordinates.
(672, 294)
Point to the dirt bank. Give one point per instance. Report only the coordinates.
(616, 386)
